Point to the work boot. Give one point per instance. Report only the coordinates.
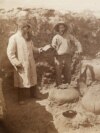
(33, 92)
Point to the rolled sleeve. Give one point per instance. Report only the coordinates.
(54, 42)
(11, 52)
(77, 44)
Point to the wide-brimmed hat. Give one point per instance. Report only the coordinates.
(56, 27)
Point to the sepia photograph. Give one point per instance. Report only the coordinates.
(49, 66)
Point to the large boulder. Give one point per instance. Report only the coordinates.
(91, 70)
(91, 100)
(61, 96)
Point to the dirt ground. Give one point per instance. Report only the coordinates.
(38, 116)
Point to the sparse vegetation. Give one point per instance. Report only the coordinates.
(86, 29)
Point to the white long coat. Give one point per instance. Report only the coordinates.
(21, 51)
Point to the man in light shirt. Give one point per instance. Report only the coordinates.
(64, 45)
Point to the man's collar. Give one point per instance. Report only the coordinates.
(19, 33)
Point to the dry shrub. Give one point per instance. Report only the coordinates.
(42, 20)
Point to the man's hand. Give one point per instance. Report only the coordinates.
(46, 47)
(19, 67)
(41, 50)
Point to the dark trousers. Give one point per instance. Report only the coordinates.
(33, 91)
(63, 66)
(21, 92)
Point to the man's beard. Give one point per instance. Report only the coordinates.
(27, 36)
(62, 32)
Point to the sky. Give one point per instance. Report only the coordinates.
(72, 5)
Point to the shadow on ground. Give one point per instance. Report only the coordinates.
(28, 118)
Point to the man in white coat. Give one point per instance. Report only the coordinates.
(20, 53)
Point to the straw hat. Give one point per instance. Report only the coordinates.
(56, 27)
